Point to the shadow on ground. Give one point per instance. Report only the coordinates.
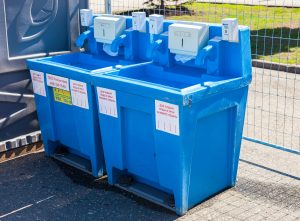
(53, 191)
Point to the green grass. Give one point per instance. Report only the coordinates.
(274, 30)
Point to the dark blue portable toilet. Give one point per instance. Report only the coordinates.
(172, 130)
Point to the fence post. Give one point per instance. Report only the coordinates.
(107, 6)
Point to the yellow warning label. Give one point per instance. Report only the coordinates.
(62, 96)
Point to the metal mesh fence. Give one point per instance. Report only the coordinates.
(273, 111)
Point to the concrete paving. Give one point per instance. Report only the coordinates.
(36, 187)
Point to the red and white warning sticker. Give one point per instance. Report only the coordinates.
(79, 94)
(38, 82)
(58, 82)
(107, 101)
(167, 117)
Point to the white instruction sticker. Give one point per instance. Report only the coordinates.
(107, 101)
(167, 117)
(58, 82)
(79, 94)
(38, 82)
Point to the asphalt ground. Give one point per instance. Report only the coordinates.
(36, 187)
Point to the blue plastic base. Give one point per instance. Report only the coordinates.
(76, 161)
(149, 193)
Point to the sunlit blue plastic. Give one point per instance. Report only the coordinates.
(211, 93)
(72, 127)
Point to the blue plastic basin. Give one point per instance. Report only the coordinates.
(177, 78)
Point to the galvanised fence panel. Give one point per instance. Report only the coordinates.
(273, 112)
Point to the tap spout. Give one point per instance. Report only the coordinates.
(83, 37)
(119, 41)
(206, 52)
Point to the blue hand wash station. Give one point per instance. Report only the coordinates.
(165, 105)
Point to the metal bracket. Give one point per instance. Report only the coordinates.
(187, 100)
(108, 7)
